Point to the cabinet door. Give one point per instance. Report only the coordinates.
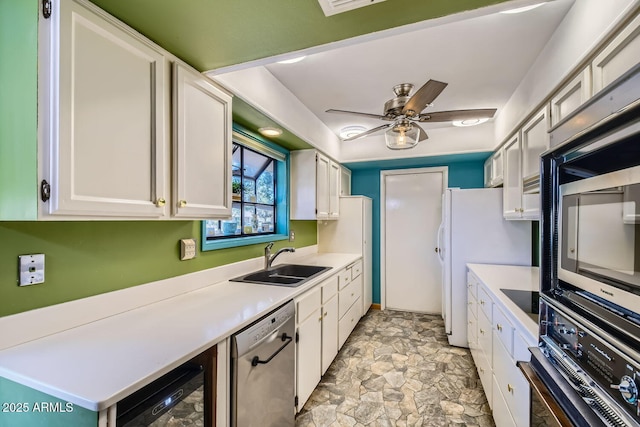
(570, 97)
(345, 181)
(329, 332)
(487, 172)
(512, 187)
(497, 167)
(201, 146)
(334, 190)
(535, 141)
(308, 356)
(618, 57)
(322, 187)
(105, 147)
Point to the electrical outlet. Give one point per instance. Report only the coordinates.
(187, 249)
(30, 269)
(292, 235)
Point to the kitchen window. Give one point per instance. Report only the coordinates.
(259, 211)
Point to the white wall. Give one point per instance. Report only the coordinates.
(259, 88)
(586, 23)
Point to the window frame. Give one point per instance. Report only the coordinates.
(280, 155)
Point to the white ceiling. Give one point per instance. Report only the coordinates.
(482, 58)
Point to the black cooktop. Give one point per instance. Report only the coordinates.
(528, 301)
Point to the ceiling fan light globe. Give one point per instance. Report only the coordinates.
(402, 136)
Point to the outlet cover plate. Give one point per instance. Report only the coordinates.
(187, 249)
(31, 269)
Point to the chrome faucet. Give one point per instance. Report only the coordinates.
(268, 258)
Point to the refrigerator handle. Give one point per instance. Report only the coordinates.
(439, 242)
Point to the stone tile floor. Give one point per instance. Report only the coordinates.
(397, 369)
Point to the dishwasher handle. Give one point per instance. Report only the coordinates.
(256, 360)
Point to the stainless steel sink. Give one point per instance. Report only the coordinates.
(290, 275)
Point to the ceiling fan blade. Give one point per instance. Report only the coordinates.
(423, 97)
(374, 116)
(368, 132)
(449, 116)
(423, 134)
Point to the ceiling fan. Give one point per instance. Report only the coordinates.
(405, 112)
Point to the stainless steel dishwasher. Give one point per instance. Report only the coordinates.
(263, 371)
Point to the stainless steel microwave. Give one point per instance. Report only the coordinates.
(599, 236)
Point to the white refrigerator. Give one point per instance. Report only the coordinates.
(351, 233)
(473, 230)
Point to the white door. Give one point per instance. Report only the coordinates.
(411, 215)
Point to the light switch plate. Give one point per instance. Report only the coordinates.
(187, 249)
(30, 269)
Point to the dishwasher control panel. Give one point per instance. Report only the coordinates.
(255, 333)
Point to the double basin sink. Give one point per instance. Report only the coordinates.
(289, 275)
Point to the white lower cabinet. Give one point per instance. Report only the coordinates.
(496, 346)
(309, 344)
(329, 322)
(325, 316)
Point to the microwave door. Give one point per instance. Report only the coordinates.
(569, 237)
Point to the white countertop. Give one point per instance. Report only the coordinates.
(97, 364)
(497, 277)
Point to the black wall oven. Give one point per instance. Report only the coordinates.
(589, 348)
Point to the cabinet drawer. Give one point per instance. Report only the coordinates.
(348, 296)
(308, 303)
(472, 329)
(484, 335)
(472, 305)
(329, 288)
(520, 348)
(485, 302)
(501, 414)
(348, 322)
(503, 329)
(356, 269)
(472, 284)
(486, 377)
(511, 384)
(345, 278)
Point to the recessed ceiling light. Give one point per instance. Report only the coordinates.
(468, 122)
(523, 9)
(270, 131)
(292, 60)
(349, 131)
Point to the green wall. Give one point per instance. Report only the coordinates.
(18, 108)
(89, 258)
(465, 171)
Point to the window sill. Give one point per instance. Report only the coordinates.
(212, 245)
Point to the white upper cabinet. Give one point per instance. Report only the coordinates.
(314, 195)
(104, 142)
(494, 169)
(201, 146)
(571, 96)
(345, 181)
(535, 141)
(334, 190)
(619, 56)
(105, 121)
(512, 188)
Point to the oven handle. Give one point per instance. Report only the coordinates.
(543, 394)
(256, 359)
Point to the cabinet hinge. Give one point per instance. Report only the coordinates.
(45, 190)
(297, 337)
(46, 8)
(295, 401)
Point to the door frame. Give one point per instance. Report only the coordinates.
(383, 225)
